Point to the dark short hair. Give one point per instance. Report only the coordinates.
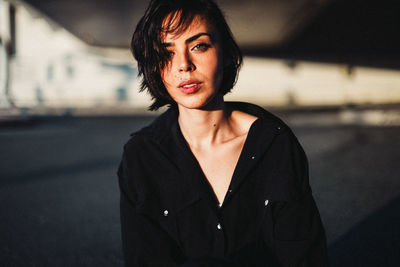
(151, 55)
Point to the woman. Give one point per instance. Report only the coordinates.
(210, 183)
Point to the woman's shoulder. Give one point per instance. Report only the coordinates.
(243, 120)
(155, 130)
(250, 114)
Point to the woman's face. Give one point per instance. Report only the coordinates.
(194, 72)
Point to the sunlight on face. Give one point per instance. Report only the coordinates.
(194, 72)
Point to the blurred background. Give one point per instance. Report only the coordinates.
(69, 100)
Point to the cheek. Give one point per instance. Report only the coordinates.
(216, 70)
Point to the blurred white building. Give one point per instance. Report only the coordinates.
(45, 68)
(5, 47)
(52, 69)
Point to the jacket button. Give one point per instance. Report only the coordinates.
(165, 213)
(219, 227)
(266, 202)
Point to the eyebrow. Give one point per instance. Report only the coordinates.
(191, 39)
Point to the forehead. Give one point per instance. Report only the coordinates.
(174, 27)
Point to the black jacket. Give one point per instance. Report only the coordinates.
(170, 215)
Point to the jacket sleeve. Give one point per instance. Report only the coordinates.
(144, 242)
(299, 236)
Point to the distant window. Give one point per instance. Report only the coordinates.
(122, 94)
(39, 96)
(69, 67)
(50, 72)
(70, 71)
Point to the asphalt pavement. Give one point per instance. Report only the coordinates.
(59, 191)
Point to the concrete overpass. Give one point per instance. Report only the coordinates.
(353, 32)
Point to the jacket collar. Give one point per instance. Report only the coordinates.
(166, 123)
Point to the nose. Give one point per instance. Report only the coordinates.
(185, 63)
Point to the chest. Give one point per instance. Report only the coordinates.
(203, 229)
(218, 165)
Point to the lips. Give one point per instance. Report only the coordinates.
(190, 86)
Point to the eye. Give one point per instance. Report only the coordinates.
(201, 47)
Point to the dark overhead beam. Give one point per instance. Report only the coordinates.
(255, 23)
(354, 32)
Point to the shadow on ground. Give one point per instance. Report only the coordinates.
(374, 242)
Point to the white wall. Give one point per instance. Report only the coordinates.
(273, 83)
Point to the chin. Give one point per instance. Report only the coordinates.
(191, 104)
(204, 103)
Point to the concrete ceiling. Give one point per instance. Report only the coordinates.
(354, 32)
(255, 23)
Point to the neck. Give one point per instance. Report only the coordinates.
(205, 127)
